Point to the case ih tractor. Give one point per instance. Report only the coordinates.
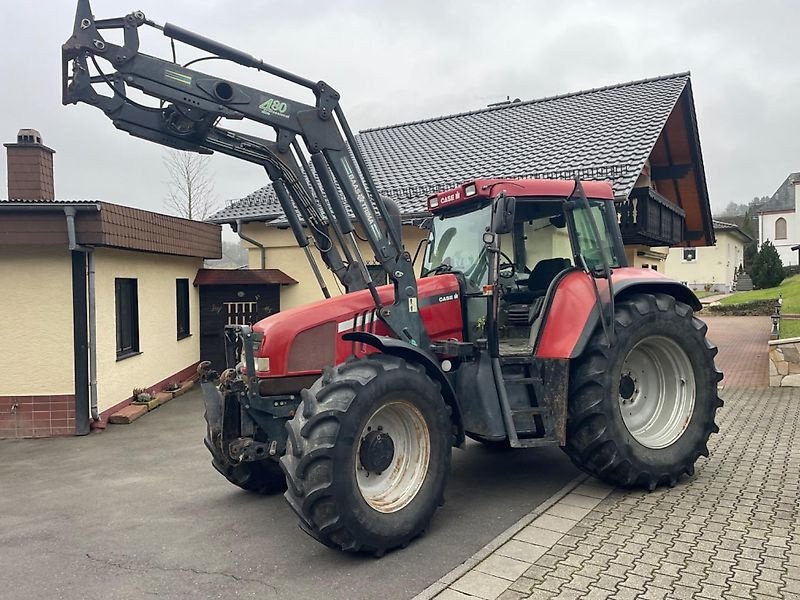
(356, 401)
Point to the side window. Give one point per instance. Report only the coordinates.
(780, 229)
(542, 240)
(127, 312)
(182, 307)
(689, 254)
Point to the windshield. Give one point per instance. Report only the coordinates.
(593, 250)
(456, 244)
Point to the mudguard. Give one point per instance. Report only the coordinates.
(572, 314)
(404, 350)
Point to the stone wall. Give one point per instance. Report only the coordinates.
(784, 362)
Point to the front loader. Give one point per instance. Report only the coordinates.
(352, 404)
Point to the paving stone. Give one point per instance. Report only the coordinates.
(598, 594)
(511, 595)
(581, 501)
(523, 585)
(553, 523)
(481, 585)
(593, 490)
(520, 550)
(533, 534)
(502, 566)
(449, 594)
(568, 511)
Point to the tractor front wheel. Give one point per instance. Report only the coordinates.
(641, 410)
(368, 454)
(262, 477)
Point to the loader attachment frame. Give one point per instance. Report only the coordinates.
(337, 192)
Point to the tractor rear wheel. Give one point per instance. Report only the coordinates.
(641, 411)
(368, 454)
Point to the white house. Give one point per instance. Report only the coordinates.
(777, 219)
(711, 268)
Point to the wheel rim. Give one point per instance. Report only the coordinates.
(392, 456)
(657, 392)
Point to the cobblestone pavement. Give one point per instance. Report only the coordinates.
(731, 531)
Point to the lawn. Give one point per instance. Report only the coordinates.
(789, 290)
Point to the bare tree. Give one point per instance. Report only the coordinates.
(191, 186)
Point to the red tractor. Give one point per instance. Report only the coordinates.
(356, 401)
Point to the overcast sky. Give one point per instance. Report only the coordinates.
(400, 61)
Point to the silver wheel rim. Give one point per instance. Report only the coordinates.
(657, 392)
(394, 487)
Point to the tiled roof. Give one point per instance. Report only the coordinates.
(41, 222)
(783, 198)
(732, 227)
(602, 134)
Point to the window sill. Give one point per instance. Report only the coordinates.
(184, 336)
(125, 355)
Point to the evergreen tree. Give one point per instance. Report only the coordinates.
(767, 268)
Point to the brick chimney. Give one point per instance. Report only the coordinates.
(30, 168)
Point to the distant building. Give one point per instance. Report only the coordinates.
(712, 268)
(778, 219)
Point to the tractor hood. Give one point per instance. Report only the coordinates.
(302, 340)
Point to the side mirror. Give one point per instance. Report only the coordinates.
(503, 214)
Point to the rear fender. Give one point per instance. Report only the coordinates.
(627, 288)
(572, 317)
(409, 353)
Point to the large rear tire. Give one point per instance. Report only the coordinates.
(368, 454)
(641, 411)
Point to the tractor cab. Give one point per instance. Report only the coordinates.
(548, 233)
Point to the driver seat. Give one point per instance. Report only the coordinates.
(521, 302)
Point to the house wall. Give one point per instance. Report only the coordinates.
(715, 266)
(284, 254)
(37, 389)
(646, 257)
(36, 349)
(766, 231)
(162, 356)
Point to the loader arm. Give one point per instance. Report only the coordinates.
(192, 105)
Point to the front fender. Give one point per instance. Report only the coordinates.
(409, 353)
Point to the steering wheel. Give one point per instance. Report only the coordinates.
(506, 269)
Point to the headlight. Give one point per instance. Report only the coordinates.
(261, 363)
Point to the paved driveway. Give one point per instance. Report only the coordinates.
(742, 343)
(138, 511)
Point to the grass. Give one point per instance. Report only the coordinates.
(704, 294)
(790, 328)
(789, 289)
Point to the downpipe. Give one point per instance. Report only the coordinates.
(70, 213)
(238, 230)
(95, 414)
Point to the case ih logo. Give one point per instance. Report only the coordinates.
(452, 197)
